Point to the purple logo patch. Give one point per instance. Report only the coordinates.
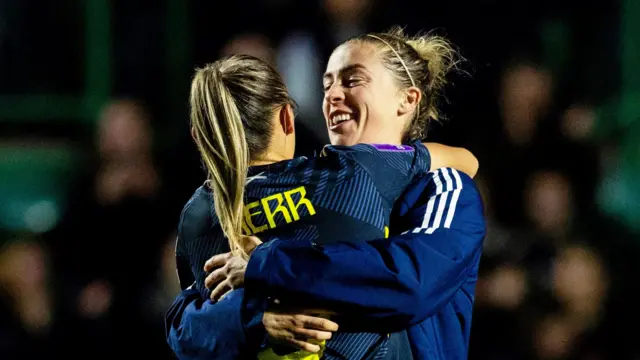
(389, 147)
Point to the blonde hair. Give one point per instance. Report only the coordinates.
(423, 61)
(232, 103)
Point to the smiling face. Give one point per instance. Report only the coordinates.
(362, 101)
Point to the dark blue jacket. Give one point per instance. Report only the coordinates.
(422, 278)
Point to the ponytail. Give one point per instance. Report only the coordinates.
(441, 58)
(220, 137)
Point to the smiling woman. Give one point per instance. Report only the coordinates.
(384, 87)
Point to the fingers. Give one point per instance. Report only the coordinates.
(214, 278)
(220, 290)
(301, 333)
(312, 322)
(293, 322)
(300, 321)
(284, 332)
(216, 261)
(286, 337)
(312, 348)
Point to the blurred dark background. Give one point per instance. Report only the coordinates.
(96, 160)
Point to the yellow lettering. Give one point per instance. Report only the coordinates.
(248, 215)
(386, 232)
(279, 209)
(288, 209)
(302, 201)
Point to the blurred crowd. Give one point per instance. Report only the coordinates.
(557, 169)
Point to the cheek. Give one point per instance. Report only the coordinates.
(366, 100)
(381, 109)
(383, 101)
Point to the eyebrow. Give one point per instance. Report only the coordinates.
(345, 69)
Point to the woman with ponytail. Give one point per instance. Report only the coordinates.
(232, 103)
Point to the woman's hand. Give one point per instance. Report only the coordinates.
(227, 271)
(298, 330)
(228, 274)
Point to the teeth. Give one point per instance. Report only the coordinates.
(340, 118)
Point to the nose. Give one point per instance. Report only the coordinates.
(334, 94)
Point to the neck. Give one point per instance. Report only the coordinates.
(268, 158)
(391, 136)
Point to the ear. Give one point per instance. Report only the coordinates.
(410, 100)
(287, 119)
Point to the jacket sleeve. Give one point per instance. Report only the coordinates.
(202, 329)
(393, 283)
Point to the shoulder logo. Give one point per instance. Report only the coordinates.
(391, 147)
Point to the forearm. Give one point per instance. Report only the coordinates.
(386, 285)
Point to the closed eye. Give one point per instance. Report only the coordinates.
(353, 82)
